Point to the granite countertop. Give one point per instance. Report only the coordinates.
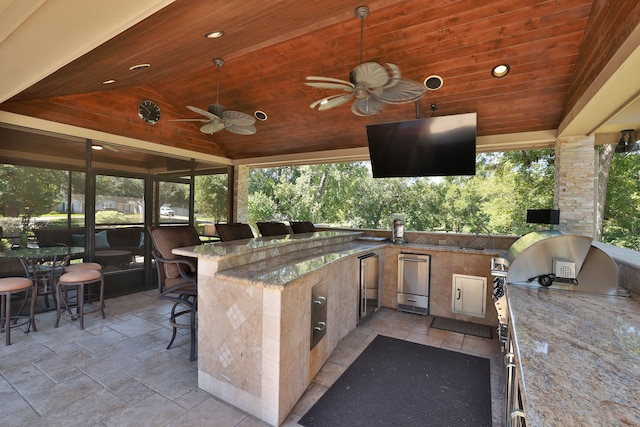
(276, 261)
(579, 356)
(277, 272)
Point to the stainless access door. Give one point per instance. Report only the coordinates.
(369, 300)
(413, 282)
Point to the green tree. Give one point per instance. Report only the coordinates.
(28, 191)
(621, 224)
(211, 195)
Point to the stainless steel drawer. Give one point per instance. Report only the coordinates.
(413, 300)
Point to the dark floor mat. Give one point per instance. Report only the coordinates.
(462, 327)
(400, 383)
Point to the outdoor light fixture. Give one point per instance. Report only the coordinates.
(627, 142)
(500, 70)
(139, 67)
(214, 34)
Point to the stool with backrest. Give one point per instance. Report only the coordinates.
(302, 227)
(273, 228)
(234, 231)
(78, 280)
(177, 276)
(10, 286)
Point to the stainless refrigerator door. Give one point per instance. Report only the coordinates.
(369, 285)
(413, 277)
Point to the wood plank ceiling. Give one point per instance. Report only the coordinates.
(269, 48)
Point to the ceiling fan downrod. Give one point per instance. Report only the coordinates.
(361, 13)
(219, 62)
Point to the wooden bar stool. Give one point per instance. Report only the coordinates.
(78, 279)
(8, 287)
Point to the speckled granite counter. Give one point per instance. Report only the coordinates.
(579, 356)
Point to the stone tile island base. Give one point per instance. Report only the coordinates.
(254, 315)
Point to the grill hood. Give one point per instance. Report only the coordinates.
(576, 264)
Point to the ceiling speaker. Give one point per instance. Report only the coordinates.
(433, 82)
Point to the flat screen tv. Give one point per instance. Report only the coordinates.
(436, 146)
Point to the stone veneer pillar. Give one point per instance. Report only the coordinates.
(576, 184)
(241, 194)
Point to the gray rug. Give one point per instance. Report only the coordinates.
(462, 327)
(396, 383)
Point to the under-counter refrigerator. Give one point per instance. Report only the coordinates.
(370, 290)
(414, 272)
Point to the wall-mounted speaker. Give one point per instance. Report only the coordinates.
(433, 82)
(543, 216)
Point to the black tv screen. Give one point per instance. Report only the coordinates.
(436, 146)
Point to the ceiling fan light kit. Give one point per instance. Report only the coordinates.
(370, 83)
(217, 117)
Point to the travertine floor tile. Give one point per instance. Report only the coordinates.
(118, 372)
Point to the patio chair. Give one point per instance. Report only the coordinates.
(177, 276)
(234, 231)
(302, 227)
(273, 228)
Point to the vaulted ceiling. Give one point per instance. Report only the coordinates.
(562, 55)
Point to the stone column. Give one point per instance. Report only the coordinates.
(576, 184)
(241, 193)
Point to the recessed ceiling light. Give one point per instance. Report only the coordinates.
(500, 70)
(96, 147)
(260, 115)
(139, 67)
(214, 34)
(108, 82)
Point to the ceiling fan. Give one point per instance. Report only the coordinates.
(371, 84)
(218, 117)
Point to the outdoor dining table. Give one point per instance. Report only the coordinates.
(44, 265)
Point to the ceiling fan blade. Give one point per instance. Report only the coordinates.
(331, 101)
(203, 112)
(368, 106)
(329, 79)
(371, 74)
(322, 85)
(395, 70)
(189, 120)
(241, 130)
(212, 127)
(401, 91)
(237, 118)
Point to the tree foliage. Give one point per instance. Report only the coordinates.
(28, 191)
(211, 196)
(495, 200)
(621, 223)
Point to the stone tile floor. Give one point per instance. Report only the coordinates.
(117, 371)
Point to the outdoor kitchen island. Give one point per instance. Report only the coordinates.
(255, 314)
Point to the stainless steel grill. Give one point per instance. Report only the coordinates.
(554, 260)
(563, 261)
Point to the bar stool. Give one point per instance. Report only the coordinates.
(8, 287)
(78, 279)
(83, 266)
